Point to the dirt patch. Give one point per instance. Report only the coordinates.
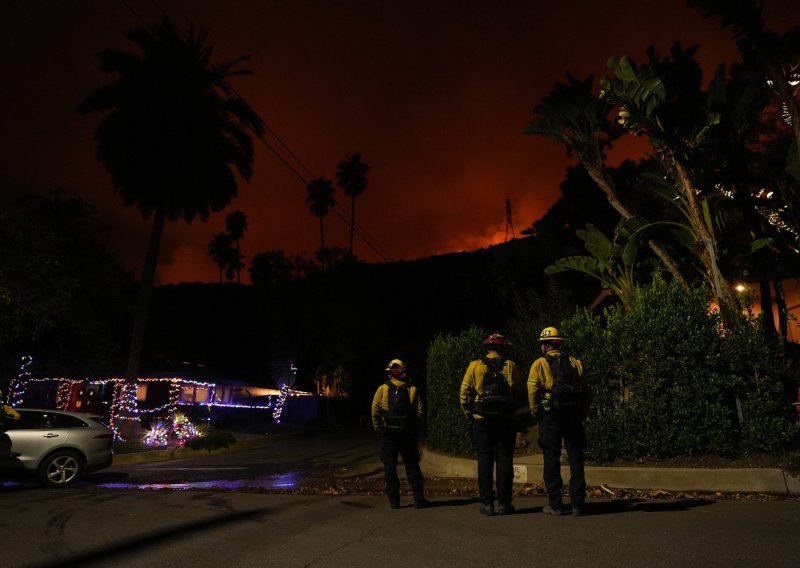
(444, 487)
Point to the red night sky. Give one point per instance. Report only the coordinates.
(433, 93)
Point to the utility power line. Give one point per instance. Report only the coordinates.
(357, 229)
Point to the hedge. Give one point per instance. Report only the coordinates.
(666, 380)
(448, 358)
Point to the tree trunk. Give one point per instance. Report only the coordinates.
(352, 222)
(130, 425)
(766, 308)
(602, 180)
(321, 244)
(783, 312)
(238, 265)
(706, 242)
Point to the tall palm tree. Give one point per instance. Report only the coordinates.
(219, 249)
(234, 265)
(172, 133)
(351, 177)
(320, 201)
(236, 225)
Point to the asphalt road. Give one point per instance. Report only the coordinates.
(116, 518)
(100, 527)
(285, 463)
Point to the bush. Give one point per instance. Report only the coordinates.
(666, 382)
(448, 358)
(759, 372)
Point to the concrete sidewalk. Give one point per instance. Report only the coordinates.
(528, 469)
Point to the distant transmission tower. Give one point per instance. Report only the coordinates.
(509, 221)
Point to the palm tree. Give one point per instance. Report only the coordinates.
(172, 133)
(320, 200)
(236, 225)
(570, 114)
(234, 265)
(219, 249)
(351, 177)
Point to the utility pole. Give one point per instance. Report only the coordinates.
(509, 222)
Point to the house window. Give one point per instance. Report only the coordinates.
(187, 393)
(141, 392)
(201, 394)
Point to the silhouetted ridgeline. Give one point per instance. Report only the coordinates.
(358, 316)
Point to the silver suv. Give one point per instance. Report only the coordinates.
(55, 445)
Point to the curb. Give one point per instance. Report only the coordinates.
(528, 469)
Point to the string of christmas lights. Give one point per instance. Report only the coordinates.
(124, 406)
(63, 394)
(276, 416)
(18, 385)
(158, 435)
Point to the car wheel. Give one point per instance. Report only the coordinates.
(60, 469)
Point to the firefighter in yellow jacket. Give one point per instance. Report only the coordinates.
(557, 397)
(396, 413)
(7, 413)
(488, 398)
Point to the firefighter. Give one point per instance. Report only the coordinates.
(396, 414)
(7, 413)
(488, 394)
(558, 400)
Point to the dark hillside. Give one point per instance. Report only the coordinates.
(357, 316)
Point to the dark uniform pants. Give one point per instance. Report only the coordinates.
(404, 445)
(554, 428)
(494, 441)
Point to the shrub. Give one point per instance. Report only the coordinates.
(448, 358)
(759, 371)
(666, 382)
